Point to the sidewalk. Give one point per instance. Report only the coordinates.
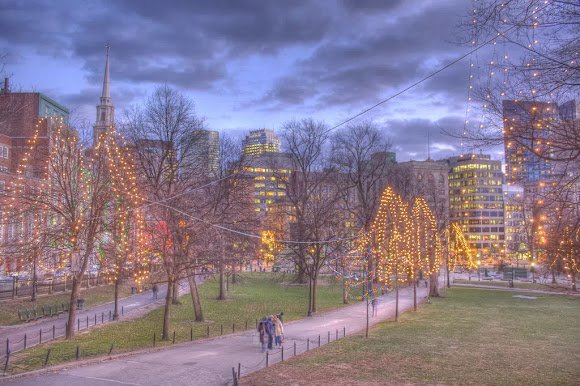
(210, 361)
(48, 328)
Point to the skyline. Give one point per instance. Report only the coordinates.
(249, 66)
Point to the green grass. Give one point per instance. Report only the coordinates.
(471, 337)
(93, 296)
(254, 296)
(517, 284)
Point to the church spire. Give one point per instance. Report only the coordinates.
(106, 93)
(105, 110)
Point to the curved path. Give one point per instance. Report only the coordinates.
(210, 361)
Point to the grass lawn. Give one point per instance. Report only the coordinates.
(254, 296)
(93, 296)
(517, 284)
(471, 337)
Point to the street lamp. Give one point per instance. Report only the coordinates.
(478, 271)
(533, 269)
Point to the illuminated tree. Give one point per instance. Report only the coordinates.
(68, 202)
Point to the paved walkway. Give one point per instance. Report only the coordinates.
(210, 361)
(43, 330)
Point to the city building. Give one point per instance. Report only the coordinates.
(23, 116)
(261, 141)
(516, 243)
(476, 203)
(201, 153)
(427, 179)
(526, 127)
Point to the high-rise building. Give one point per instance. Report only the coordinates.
(261, 141)
(514, 220)
(201, 152)
(105, 110)
(526, 126)
(476, 203)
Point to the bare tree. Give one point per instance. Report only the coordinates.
(313, 198)
(161, 132)
(361, 156)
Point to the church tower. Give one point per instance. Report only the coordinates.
(105, 110)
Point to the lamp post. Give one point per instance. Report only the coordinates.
(533, 269)
(478, 270)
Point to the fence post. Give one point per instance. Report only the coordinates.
(191, 334)
(40, 336)
(208, 330)
(47, 357)
(235, 376)
(336, 334)
(78, 324)
(153, 339)
(233, 327)
(221, 329)
(25, 341)
(343, 331)
(239, 370)
(318, 340)
(87, 321)
(13, 288)
(328, 340)
(173, 337)
(7, 360)
(122, 310)
(109, 315)
(102, 317)
(294, 348)
(53, 332)
(256, 324)
(282, 353)
(111, 349)
(307, 344)
(78, 353)
(95, 319)
(246, 324)
(267, 354)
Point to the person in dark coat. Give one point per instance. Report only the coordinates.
(270, 331)
(262, 333)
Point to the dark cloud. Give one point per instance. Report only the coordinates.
(410, 137)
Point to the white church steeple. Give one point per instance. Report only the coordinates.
(105, 110)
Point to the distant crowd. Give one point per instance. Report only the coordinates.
(271, 331)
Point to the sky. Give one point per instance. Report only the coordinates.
(251, 64)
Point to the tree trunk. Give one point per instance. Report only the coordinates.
(414, 295)
(116, 307)
(34, 281)
(301, 277)
(222, 294)
(434, 285)
(309, 296)
(554, 277)
(314, 285)
(344, 294)
(233, 274)
(195, 298)
(396, 295)
(175, 293)
(448, 278)
(72, 313)
(168, 297)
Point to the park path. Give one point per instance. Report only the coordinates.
(46, 329)
(210, 361)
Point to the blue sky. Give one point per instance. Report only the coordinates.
(251, 64)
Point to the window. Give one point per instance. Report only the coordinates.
(3, 151)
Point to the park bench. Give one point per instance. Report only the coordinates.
(23, 315)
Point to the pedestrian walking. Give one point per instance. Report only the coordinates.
(155, 289)
(278, 331)
(374, 304)
(270, 331)
(281, 316)
(262, 333)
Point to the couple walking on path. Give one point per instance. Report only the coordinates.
(271, 330)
